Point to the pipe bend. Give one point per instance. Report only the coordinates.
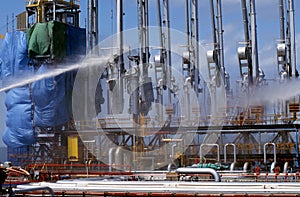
(210, 171)
(170, 166)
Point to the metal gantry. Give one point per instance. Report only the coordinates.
(39, 11)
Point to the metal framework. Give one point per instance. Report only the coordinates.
(46, 10)
(137, 140)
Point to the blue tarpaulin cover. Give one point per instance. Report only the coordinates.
(13, 55)
(19, 130)
(51, 108)
(14, 66)
(44, 103)
(76, 41)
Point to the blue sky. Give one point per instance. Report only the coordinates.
(267, 27)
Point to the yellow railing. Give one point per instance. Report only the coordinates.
(267, 119)
(33, 2)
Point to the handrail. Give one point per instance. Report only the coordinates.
(73, 2)
(234, 152)
(266, 119)
(218, 150)
(265, 151)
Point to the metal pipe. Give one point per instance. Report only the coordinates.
(281, 19)
(285, 167)
(167, 41)
(225, 152)
(297, 149)
(119, 157)
(96, 29)
(144, 46)
(187, 25)
(146, 32)
(93, 26)
(255, 65)
(139, 69)
(232, 166)
(111, 154)
(245, 20)
(134, 84)
(272, 167)
(120, 99)
(220, 39)
(216, 191)
(187, 106)
(195, 42)
(170, 166)
(173, 150)
(292, 37)
(200, 171)
(212, 14)
(212, 145)
(90, 36)
(141, 31)
(159, 26)
(15, 191)
(245, 167)
(265, 151)
(162, 81)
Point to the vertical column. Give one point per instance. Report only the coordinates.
(254, 40)
(93, 26)
(120, 68)
(292, 37)
(167, 44)
(194, 43)
(220, 39)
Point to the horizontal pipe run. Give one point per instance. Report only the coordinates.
(167, 194)
(200, 171)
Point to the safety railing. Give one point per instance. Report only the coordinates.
(127, 121)
(71, 2)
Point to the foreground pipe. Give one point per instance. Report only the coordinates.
(15, 191)
(200, 171)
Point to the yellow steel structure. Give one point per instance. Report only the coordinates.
(66, 11)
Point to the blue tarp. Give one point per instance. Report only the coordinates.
(49, 97)
(14, 66)
(76, 49)
(76, 41)
(19, 130)
(13, 55)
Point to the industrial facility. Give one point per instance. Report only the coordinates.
(148, 104)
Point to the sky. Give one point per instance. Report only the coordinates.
(267, 16)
